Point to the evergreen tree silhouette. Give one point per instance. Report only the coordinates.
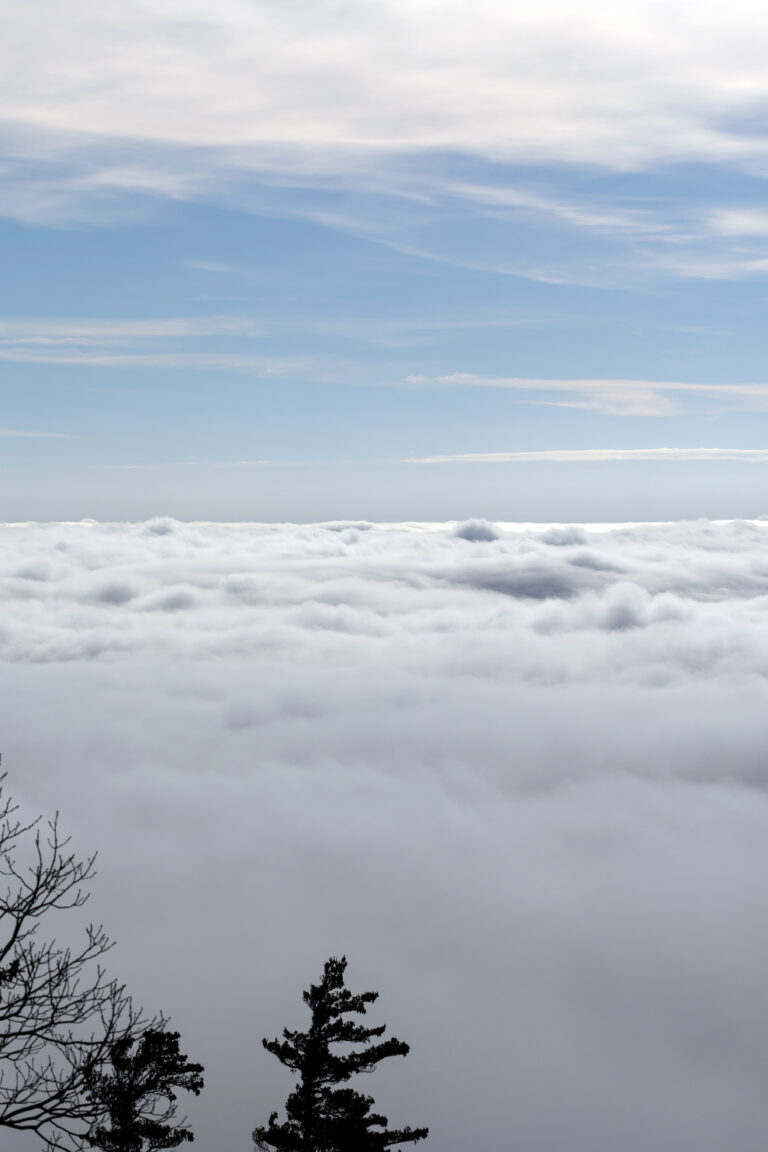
(138, 1094)
(321, 1116)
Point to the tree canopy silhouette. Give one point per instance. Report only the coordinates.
(321, 1116)
(137, 1093)
(59, 1014)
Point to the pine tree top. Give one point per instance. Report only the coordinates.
(321, 1116)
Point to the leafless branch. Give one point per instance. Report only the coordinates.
(59, 1012)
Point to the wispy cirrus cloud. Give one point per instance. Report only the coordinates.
(146, 342)
(601, 455)
(103, 109)
(388, 76)
(614, 396)
(576, 210)
(717, 265)
(27, 434)
(217, 267)
(186, 342)
(89, 330)
(223, 361)
(739, 222)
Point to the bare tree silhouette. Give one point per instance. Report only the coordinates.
(59, 1013)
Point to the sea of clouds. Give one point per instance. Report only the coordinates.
(517, 773)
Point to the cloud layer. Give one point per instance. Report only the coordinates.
(334, 80)
(484, 113)
(517, 773)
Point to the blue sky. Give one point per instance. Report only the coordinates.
(315, 261)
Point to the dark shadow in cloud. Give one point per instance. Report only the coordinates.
(593, 560)
(563, 536)
(115, 593)
(476, 531)
(159, 526)
(533, 579)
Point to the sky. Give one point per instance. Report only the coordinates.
(383, 538)
(383, 260)
(516, 773)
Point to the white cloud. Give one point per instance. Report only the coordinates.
(600, 455)
(218, 361)
(516, 773)
(26, 434)
(221, 269)
(608, 219)
(713, 267)
(161, 342)
(614, 396)
(608, 87)
(244, 103)
(44, 330)
(740, 222)
(181, 101)
(179, 342)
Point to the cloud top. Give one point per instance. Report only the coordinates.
(521, 760)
